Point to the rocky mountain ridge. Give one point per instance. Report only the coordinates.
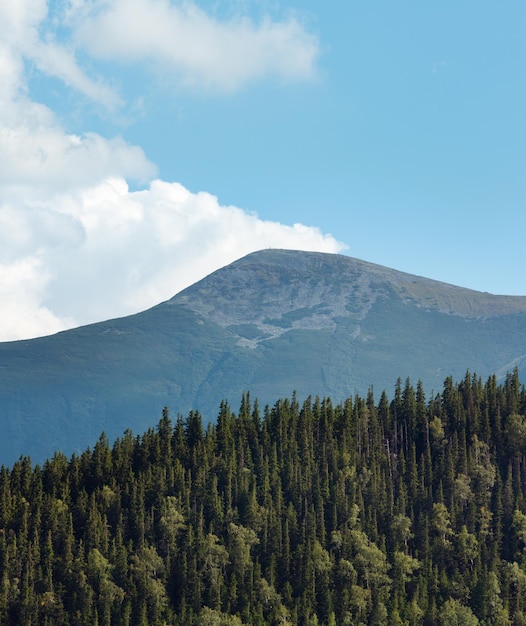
(295, 290)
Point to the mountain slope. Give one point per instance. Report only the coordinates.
(272, 322)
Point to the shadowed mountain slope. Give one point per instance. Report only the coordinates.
(273, 322)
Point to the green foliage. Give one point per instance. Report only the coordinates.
(405, 512)
(456, 614)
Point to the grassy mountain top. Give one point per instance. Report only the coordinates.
(273, 284)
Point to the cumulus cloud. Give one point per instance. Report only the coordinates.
(76, 244)
(22, 315)
(197, 48)
(44, 157)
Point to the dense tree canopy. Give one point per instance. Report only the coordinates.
(399, 511)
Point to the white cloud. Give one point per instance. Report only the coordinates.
(20, 19)
(192, 47)
(189, 46)
(56, 60)
(45, 158)
(25, 35)
(195, 48)
(22, 314)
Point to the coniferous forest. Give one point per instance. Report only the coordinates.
(377, 511)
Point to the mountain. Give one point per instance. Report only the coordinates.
(273, 322)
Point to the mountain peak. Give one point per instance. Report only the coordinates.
(281, 289)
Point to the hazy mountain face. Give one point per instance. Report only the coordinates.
(271, 323)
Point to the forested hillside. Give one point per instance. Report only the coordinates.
(409, 510)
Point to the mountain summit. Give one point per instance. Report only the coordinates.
(273, 322)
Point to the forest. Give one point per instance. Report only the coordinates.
(387, 510)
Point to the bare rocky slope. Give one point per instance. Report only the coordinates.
(273, 322)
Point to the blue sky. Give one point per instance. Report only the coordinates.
(145, 143)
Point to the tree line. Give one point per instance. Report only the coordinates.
(402, 511)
